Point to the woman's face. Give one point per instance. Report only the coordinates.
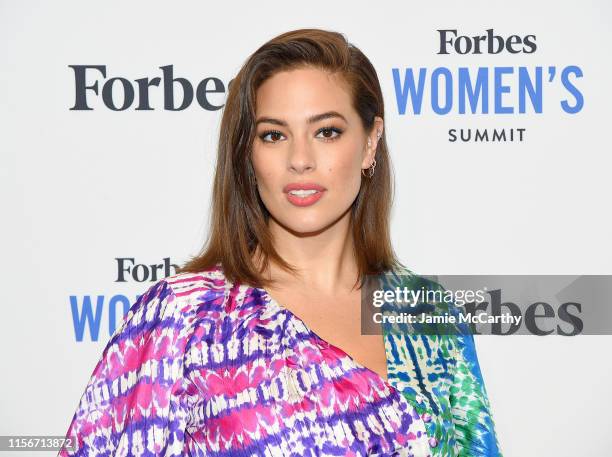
(309, 149)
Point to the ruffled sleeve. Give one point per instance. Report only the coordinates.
(137, 399)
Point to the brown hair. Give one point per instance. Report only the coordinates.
(238, 223)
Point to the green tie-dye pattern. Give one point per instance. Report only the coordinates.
(442, 370)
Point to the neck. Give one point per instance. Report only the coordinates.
(324, 259)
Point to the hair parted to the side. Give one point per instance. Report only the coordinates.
(238, 220)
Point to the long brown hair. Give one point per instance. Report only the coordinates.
(238, 223)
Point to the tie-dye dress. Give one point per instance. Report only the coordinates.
(204, 367)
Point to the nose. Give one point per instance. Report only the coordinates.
(301, 155)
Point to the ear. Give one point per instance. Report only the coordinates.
(372, 140)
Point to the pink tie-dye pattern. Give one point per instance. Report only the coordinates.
(204, 367)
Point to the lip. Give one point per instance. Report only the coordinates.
(304, 201)
(303, 186)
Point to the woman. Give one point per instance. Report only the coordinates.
(239, 354)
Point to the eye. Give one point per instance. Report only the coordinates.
(274, 136)
(329, 133)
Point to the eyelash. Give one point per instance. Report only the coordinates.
(336, 130)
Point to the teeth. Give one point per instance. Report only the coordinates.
(302, 192)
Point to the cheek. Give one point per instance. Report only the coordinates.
(264, 169)
(257, 161)
(345, 170)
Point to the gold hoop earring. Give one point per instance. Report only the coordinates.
(370, 170)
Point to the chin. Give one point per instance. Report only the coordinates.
(304, 226)
(307, 225)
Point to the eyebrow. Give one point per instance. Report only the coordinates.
(310, 120)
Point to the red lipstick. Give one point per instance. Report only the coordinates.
(303, 194)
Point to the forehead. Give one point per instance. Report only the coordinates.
(300, 92)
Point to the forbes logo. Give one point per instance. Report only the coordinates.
(91, 311)
(489, 43)
(107, 88)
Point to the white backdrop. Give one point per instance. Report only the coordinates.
(81, 189)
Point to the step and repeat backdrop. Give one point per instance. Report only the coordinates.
(497, 119)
